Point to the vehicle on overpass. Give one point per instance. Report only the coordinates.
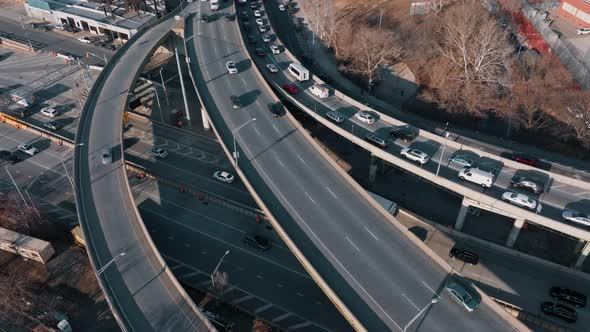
(214, 4)
(477, 176)
(298, 71)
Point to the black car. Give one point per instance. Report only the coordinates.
(406, 133)
(10, 157)
(229, 17)
(53, 125)
(567, 295)
(21, 113)
(464, 255)
(246, 26)
(244, 16)
(235, 101)
(260, 52)
(376, 140)
(527, 183)
(276, 109)
(254, 5)
(560, 311)
(204, 18)
(251, 39)
(257, 241)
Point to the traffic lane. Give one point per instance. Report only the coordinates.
(285, 29)
(527, 286)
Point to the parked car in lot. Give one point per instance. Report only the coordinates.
(527, 183)
(415, 155)
(461, 160)
(9, 157)
(560, 311)
(235, 101)
(365, 117)
(53, 125)
(583, 31)
(376, 140)
(21, 113)
(567, 295)
(335, 117)
(276, 109)
(231, 67)
(526, 159)
(576, 217)
(272, 68)
(462, 295)
(85, 40)
(465, 255)
(224, 176)
(519, 200)
(107, 156)
(159, 153)
(49, 111)
(290, 87)
(28, 149)
(405, 133)
(275, 49)
(257, 242)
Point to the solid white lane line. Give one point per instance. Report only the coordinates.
(242, 299)
(301, 325)
(281, 317)
(264, 307)
(432, 290)
(276, 129)
(257, 132)
(352, 243)
(331, 192)
(412, 303)
(301, 159)
(373, 235)
(280, 162)
(311, 199)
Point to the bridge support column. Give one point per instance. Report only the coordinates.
(582, 256)
(518, 223)
(205, 118)
(462, 214)
(373, 169)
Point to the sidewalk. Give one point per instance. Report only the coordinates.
(386, 97)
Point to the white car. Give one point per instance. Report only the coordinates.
(365, 117)
(257, 13)
(272, 68)
(224, 176)
(259, 21)
(275, 49)
(262, 28)
(583, 31)
(28, 149)
(85, 40)
(107, 156)
(415, 155)
(159, 152)
(576, 217)
(282, 8)
(231, 67)
(519, 200)
(49, 111)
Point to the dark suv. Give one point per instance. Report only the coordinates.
(235, 101)
(276, 109)
(406, 134)
(560, 311)
(21, 113)
(527, 183)
(567, 295)
(257, 242)
(464, 255)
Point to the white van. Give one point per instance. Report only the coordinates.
(319, 91)
(300, 72)
(49, 112)
(476, 175)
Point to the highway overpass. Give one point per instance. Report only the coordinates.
(358, 253)
(140, 288)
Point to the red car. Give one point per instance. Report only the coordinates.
(291, 88)
(525, 159)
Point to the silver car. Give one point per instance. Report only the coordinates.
(462, 295)
(335, 116)
(107, 157)
(519, 200)
(461, 160)
(576, 217)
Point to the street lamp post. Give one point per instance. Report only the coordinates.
(164, 85)
(442, 153)
(102, 269)
(234, 133)
(217, 267)
(433, 301)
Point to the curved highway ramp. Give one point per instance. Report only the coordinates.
(141, 290)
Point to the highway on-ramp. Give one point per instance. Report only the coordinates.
(141, 290)
(381, 275)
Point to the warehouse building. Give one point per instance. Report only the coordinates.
(576, 11)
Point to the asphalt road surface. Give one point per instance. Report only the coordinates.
(376, 270)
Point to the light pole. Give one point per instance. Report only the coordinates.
(433, 301)
(164, 85)
(380, 18)
(442, 153)
(234, 133)
(102, 269)
(217, 267)
(104, 57)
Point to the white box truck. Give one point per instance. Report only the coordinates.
(300, 72)
(319, 91)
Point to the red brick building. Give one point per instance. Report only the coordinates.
(576, 11)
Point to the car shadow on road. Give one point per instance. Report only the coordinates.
(420, 232)
(249, 98)
(429, 147)
(51, 92)
(244, 65)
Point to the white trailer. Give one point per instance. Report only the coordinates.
(319, 91)
(301, 73)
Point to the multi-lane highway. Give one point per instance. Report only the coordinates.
(378, 272)
(559, 194)
(142, 291)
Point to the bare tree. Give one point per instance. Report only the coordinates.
(372, 49)
(438, 6)
(258, 325)
(577, 116)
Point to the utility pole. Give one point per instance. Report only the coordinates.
(188, 117)
(164, 85)
(380, 18)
